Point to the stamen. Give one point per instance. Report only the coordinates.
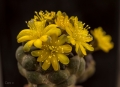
(83, 24)
(31, 24)
(87, 27)
(26, 22)
(52, 46)
(41, 13)
(37, 14)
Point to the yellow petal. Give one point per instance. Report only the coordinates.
(62, 39)
(63, 58)
(108, 37)
(38, 43)
(68, 30)
(88, 39)
(24, 32)
(80, 25)
(106, 46)
(62, 20)
(44, 38)
(55, 63)
(59, 13)
(40, 25)
(24, 38)
(28, 45)
(53, 39)
(66, 21)
(46, 64)
(65, 49)
(71, 40)
(87, 46)
(56, 31)
(82, 49)
(43, 56)
(76, 47)
(76, 23)
(37, 53)
(51, 26)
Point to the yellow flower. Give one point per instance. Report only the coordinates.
(79, 35)
(61, 20)
(52, 52)
(104, 41)
(37, 34)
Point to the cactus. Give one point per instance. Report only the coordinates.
(89, 69)
(53, 50)
(37, 77)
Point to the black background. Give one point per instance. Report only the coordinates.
(14, 13)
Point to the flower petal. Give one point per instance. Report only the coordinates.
(87, 46)
(69, 31)
(38, 43)
(24, 38)
(88, 38)
(44, 55)
(108, 37)
(76, 23)
(55, 63)
(40, 25)
(65, 49)
(44, 38)
(80, 25)
(76, 47)
(51, 26)
(70, 39)
(24, 33)
(56, 31)
(63, 58)
(82, 49)
(28, 45)
(46, 64)
(37, 53)
(62, 39)
(53, 39)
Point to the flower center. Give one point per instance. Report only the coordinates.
(77, 35)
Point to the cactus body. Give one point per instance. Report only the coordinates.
(37, 77)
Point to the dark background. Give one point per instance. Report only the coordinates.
(14, 13)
